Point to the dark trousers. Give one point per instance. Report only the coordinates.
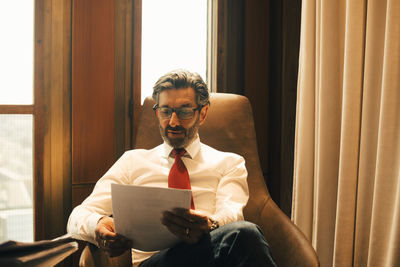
(235, 244)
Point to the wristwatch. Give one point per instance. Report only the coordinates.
(214, 224)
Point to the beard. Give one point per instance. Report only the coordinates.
(180, 142)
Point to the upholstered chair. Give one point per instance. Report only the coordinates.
(229, 127)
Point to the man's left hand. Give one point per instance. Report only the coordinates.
(188, 225)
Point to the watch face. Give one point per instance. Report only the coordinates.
(214, 224)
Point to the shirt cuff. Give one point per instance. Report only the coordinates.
(225, 217)
(92, 224)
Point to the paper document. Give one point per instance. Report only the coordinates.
(137, 212)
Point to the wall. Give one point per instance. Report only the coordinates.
(102, 96)
(258, 58)
(92, 93)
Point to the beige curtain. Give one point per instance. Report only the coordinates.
(347, 155)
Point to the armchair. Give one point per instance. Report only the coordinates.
(229, 127)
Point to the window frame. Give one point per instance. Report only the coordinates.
(52, 108)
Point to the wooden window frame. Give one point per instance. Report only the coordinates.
(52, 108)
(136, 75)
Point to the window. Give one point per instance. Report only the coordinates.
(174, 35)
(16, 120)
(16, 52)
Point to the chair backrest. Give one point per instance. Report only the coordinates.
(229, 127)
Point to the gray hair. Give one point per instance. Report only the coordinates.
(179, 79)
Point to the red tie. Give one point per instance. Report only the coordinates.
(178, 175)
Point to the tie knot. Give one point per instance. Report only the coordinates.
(178, 152)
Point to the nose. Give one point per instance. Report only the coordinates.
(174, 120)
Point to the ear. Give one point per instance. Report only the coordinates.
(203, 114)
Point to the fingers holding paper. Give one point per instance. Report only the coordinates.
(188, 225)
(110, 241)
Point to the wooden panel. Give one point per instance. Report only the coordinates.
(291, 14)
(16, 109)
(40, 34)
(57, 161)
(52, 117)
(235, 34)
(137, 65)
(272, 47)
(80, 192)
(92, 89)
(269, 47)
(230, 46)
(221, 46)
(123, 75)
(256, 73)
(275, 101)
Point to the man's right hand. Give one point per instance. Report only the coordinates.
(110, 241)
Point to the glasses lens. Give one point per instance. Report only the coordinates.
(165, 113)
(182, 113)
(185, 113)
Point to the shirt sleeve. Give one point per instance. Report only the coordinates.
(83, 220)
(232, 192)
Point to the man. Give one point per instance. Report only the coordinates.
(213, 232)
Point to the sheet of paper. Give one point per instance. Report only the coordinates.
(137, 212)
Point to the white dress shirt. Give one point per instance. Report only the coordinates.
(218, 181)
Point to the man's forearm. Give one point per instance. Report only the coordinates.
(82, 224)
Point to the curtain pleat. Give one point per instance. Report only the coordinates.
(303, 192)
(346, 191)
(350, 132)
(386, 188)
(374, 48)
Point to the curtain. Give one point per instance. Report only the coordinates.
(346, 194)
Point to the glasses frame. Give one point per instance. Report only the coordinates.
(174, 110)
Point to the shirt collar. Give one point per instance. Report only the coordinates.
(191, 150)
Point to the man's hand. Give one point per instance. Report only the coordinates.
(188, 225)
(108, 240)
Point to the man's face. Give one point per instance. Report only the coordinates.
(175, 131)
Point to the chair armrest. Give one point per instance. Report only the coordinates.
(86, 258)
(93, 256)
(294, 249)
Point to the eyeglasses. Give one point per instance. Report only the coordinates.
(184, 113)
